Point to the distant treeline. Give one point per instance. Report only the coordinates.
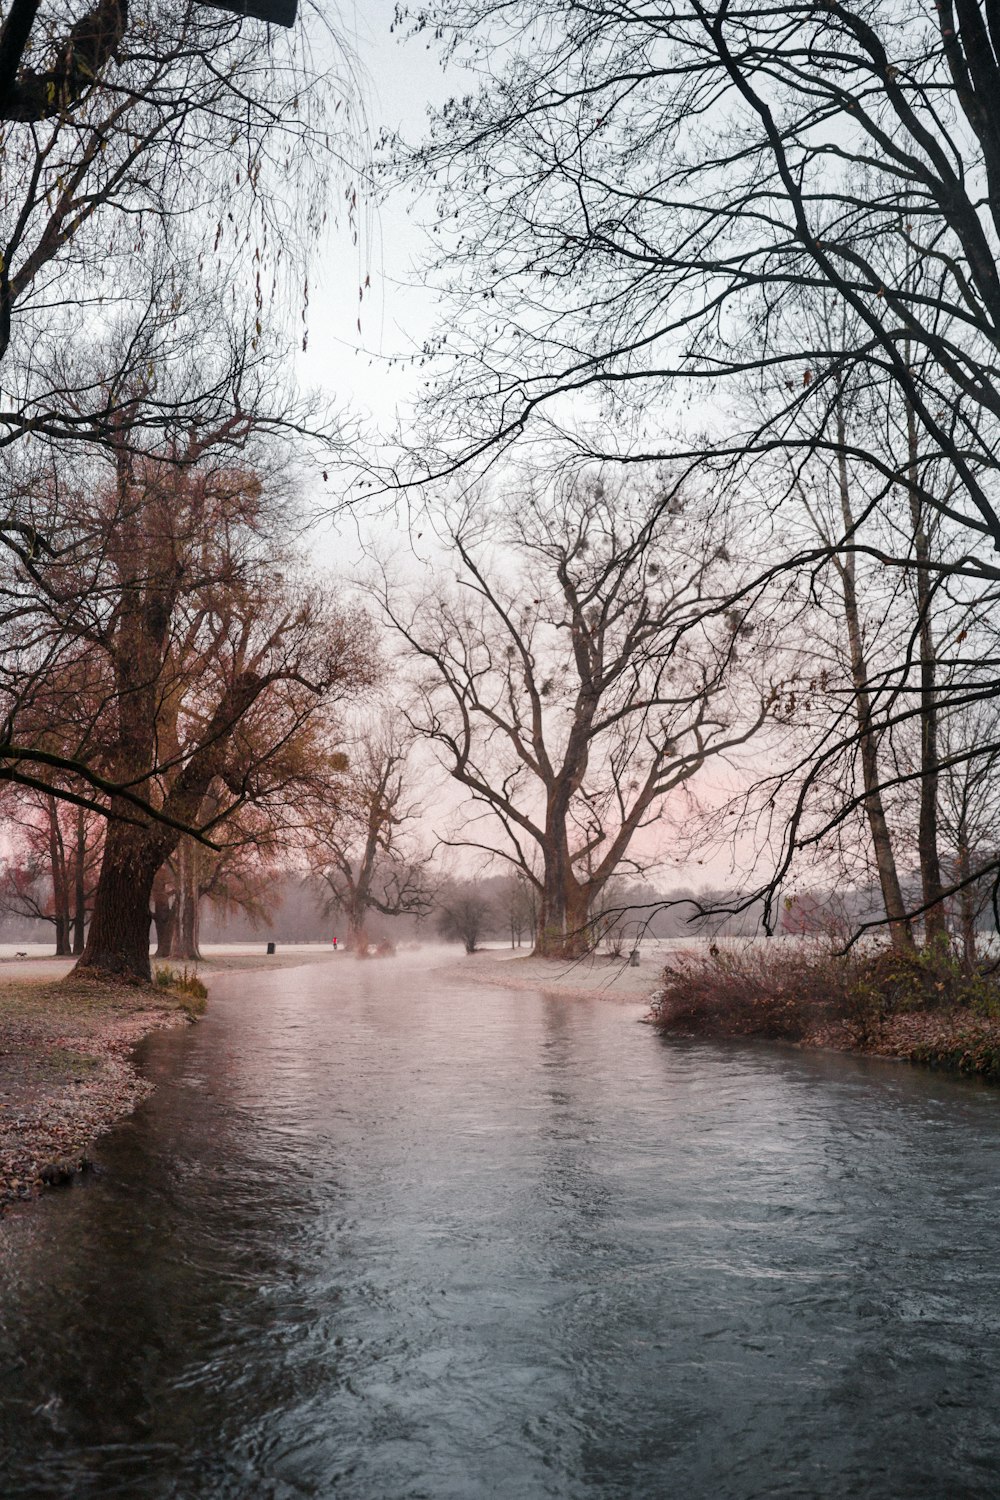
(503, 910)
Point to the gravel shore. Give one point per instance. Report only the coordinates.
(66, 1073)
(66, 1069)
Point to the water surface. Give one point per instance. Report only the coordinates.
(381, 1236)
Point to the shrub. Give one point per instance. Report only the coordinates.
(769, 990)
(780, 990)
(977, 1056)
(182, 983)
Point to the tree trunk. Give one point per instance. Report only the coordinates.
(932, 888)
(900, 931)
(60, 882)
(118, 940)
(564, 920)
(185, 934)
(357, 937)
(80, 885)
(966, 905)
(185, 925)
(163, 922)
(935, 916)
(62, 935)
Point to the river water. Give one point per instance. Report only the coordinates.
(382, 1235)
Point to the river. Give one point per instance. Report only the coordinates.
(383, 1234)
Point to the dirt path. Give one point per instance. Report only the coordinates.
(607, 978)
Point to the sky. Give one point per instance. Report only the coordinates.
(369, 372)
(400, 79)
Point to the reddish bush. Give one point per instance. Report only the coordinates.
(793, 990)
(769, 990)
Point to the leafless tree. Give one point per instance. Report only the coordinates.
(630, 218)
(581, 668)
(970, 818)
(51, 867)
(637, 194)
(362, 843)
(123, 129)
(518, 901)
(464, 914)
(240, 877)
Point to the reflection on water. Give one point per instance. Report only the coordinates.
(378, 1236)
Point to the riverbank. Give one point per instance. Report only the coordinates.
(919, 1007)
(66, 1069)
(66, 1073)
(875, 1007)
(596, 975)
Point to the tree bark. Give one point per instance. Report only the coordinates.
(118, 940)
(357, 935)
(184, 929)
(932, 888)
(80, 887)
(163, 922)
(62, 936)
(81, 57)
(185, 936)
(900, 932)
(966, 905)
(564, 920)
(60, 883)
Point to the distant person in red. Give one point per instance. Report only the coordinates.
(335, 945)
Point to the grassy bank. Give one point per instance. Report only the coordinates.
(66, 1073)
(919, 1006)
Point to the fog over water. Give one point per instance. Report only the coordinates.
(380, 1234)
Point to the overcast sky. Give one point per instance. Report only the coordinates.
(400, 80)
(369, 372)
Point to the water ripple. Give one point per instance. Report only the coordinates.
(379, 1237)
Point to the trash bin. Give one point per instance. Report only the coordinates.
(270, 947)
(633, 958)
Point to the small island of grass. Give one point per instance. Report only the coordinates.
(923, 1005)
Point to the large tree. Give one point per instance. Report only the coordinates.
(630, 215)
(177, 577)
(145, 162)
(176, 382)
(583, 665)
